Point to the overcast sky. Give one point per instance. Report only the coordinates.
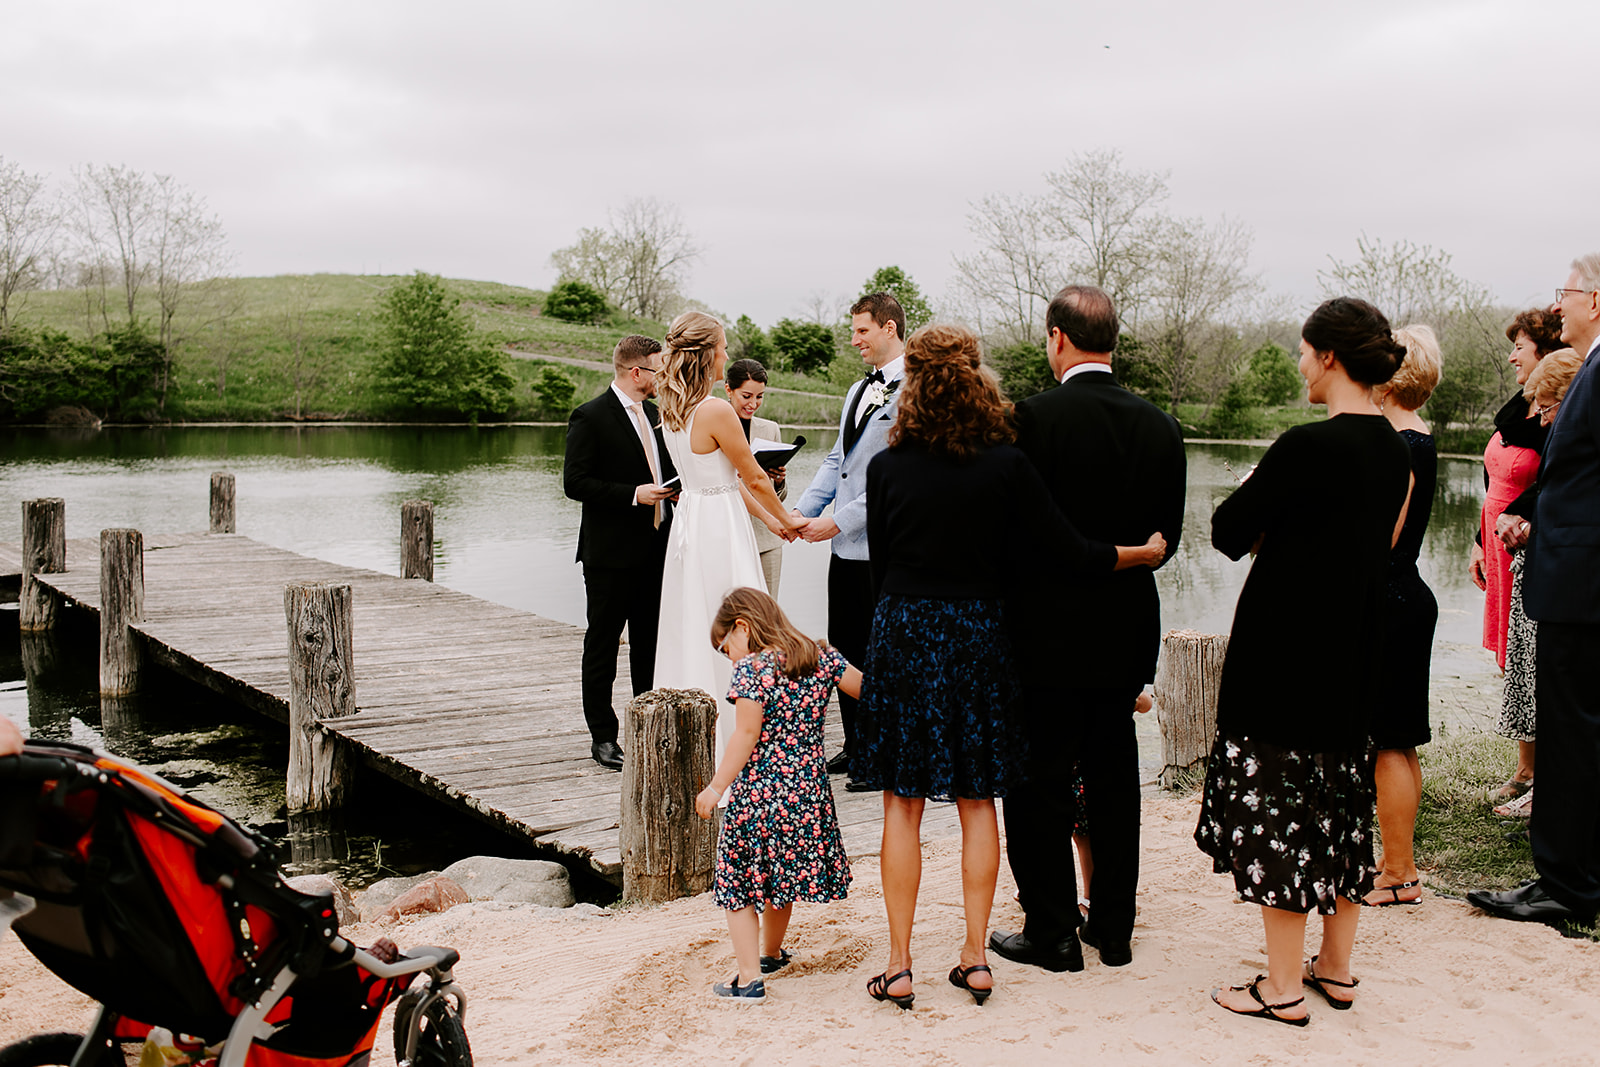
(808, 144)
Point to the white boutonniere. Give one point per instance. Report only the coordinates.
(878, 393)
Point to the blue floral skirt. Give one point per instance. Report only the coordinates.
(940, 705)
(1293, 828)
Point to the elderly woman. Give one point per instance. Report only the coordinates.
(746, 384)
(1287, 804)
(1546, 386)
(1400, 721)
(957, 520)
(1510, 466)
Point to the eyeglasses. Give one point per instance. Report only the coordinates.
(723, 647)
(1546, 409)
(1561, 294)
(652, 370)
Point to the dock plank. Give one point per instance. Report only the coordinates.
(473, 703)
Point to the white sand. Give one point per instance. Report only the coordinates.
(1441, 984)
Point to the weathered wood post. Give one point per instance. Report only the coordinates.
(44, 551)
(416, 539)
(121, 605)
(667, 850)
(1186, 700)
(322, 686)
(222, 518)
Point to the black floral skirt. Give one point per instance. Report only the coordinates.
(1293, 828)
(940, 703)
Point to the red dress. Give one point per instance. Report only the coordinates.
(1511, 471)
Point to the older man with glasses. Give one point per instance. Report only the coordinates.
(1562, 593)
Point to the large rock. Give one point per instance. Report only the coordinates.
(382, 893)
(434, 895)
(518, 881)
(318, 884)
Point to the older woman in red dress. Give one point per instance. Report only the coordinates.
(1511, 464)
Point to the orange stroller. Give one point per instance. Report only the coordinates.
(172, 916)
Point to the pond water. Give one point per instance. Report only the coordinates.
(504, 532)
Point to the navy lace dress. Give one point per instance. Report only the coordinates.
(1401, 718)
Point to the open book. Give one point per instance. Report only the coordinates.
(772, 454)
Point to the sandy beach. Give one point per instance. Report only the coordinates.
(1440, 983)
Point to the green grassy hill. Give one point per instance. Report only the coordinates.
(299, 346)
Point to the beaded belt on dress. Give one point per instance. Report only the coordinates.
(715, 490)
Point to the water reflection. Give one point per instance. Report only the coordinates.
(504, 531)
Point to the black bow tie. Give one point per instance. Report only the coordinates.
(873, 376)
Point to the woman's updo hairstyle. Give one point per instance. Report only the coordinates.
(744, 370)
(950, 402)
(1358, 336)
(685, 377)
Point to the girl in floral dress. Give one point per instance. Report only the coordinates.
(779, 841)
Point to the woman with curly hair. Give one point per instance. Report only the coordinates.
(711, 548)
(1510, 467)
(957, 521)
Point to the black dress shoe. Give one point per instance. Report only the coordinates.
(607, 754)
(853, 786)
(839, 764)
(1064, 955)
(1527, 903)
(1112, 953)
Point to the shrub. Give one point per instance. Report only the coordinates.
(554, 391)
(1235, 414)
(1023, 370)
(808, 346)
(1273, 377)
(571, 300)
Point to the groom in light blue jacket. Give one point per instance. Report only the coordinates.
(878, 331)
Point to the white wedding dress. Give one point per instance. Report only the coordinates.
(710, 550)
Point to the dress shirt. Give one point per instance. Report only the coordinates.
(655, 453)
(1085, 368)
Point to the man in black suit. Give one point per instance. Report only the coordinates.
(1561, 591)
(1115, 465)
(616, 463)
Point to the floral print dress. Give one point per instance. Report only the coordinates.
(780, 840)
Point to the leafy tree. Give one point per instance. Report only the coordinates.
(1273, 376)
(428, 358)
(898, 284)
(1235, 414)
(1023, 370)
(748, 341)
(571, 300)
(1138, 373)
(555, 391)
(808, 346)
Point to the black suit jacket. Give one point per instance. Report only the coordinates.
(1562, 580)
(605, 464)
(1115, 465)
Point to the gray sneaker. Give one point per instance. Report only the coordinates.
(731, 990)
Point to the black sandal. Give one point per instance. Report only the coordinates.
(1266, 1011)
(878, 989)
(960, 974)
(1394, 891)
(1310, 978)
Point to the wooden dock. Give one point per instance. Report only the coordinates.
(468, 701)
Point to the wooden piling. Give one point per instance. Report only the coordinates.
(416, 539)
(44, 551)
(322, 686)
(121, 605)
(222, 516)
(1186, 701)
(667, 850)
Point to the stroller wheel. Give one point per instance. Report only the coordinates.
(53, 1050)
(441, 1039)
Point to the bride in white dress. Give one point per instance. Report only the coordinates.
(711, 548)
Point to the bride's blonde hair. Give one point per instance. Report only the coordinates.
(686, 372)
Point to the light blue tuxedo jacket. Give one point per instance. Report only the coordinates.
(842, 478)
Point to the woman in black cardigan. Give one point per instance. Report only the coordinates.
(1288, 799)
(958, 522)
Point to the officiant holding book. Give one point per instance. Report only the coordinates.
(746, 383)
